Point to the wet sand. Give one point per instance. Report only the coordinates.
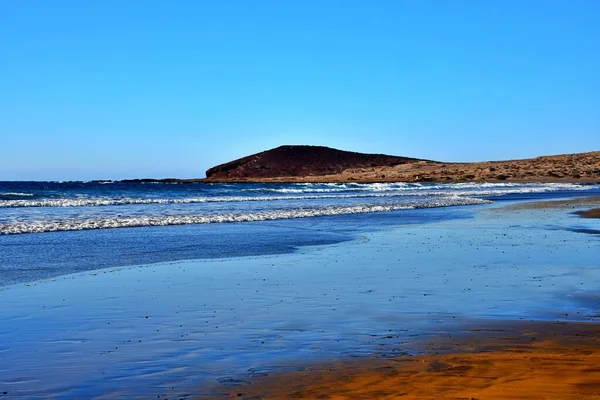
(530, 360)
(568, 204)
(509, 360)
(593, 213)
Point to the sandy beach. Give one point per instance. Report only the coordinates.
(510, 359)
(522, 360)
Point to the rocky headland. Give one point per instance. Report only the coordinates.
(324, 164)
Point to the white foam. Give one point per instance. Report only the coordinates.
(16, 194)
(87, 202)
(331, 187)
(141, 221)
(306, 192)
(396, 186)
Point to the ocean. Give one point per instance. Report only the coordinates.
(54, 228)
(139, 290)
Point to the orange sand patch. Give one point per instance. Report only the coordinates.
(594, 213)
(527, 361)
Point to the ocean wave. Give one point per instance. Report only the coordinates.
(403, 186)
(93, 202)
(146, 221)
(331, 187)
(15, 194)
(308, 193)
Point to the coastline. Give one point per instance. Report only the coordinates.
(352, 179)
(322, 164)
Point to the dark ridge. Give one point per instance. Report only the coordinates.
(291, 161)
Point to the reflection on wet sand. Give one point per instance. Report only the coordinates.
(524, 360)
(494, 360)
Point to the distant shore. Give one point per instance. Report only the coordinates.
(582, 168)
(303, 164)
(317, 164)
(351, 179)
(322, 164)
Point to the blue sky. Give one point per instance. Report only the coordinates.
(116, 89)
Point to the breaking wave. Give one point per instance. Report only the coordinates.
(15, 194)
(395, 186)
(145, 221)
(306, 192)
(93, 205)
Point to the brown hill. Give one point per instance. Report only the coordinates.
(300, 161)
(323, 164)
(580, 167)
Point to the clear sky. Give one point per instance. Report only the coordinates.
(116, 89)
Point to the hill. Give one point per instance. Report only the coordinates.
(300, 161)
(323, 164)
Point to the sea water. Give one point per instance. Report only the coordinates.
(36, 207)
(54, 228)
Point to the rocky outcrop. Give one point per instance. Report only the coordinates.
(300, 161)
(323, 164)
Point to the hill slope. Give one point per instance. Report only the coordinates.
(323, 164)
(300, 161)
(580, 167)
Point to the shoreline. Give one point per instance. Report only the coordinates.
(337, 179)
